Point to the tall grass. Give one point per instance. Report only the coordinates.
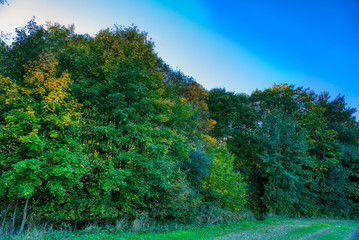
(36, 228)
(216, 215)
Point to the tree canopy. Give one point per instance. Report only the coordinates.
(99, 128)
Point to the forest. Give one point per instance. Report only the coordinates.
(98, 128)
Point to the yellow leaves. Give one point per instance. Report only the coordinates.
(54, 134)
(31, 138)
(166, 102)
(165, 109)
(221, 190)
(42, 95)
(51, 89)
(30, 112)
(38, 71)
(210, 140)
(132, 197)
(27, 193)
(11, 90)
(213, 122)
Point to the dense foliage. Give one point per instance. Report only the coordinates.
(297, 150)
(100, 128)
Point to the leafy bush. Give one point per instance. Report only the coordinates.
(225, 186)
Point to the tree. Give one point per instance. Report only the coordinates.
(131, 128)
(282, 164)
(234, 119)
(40, 156)
(337, 153)
(225, 186)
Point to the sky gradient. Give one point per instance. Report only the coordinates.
(238, 45)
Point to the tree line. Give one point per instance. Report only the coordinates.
(98, 128)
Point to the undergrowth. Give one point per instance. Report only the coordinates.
(37, 229)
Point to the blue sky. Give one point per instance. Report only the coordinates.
(239, 45)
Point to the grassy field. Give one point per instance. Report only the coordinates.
(269, 229)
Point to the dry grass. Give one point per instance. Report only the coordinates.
(140, 224)
(121, 225)
(215, 215)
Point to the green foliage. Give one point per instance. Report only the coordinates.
(282, 164)
(235, 120)
(232, 113)
(287, 98)
(100, 128)
(114, 135)
(296, 149)
(226, 186)
(40, 157)
(197, 167)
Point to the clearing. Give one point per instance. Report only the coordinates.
(276, 229)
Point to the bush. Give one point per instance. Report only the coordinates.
(225, 186)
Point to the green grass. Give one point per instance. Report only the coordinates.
(324, 230)
(339, 231)
(273, 229)
(208, 232)
(307, 229)
(187, 234)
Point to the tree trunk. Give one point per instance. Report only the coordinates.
(13, 220)
(24, 216)
(3, 222)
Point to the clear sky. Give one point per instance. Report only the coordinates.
(239, 45)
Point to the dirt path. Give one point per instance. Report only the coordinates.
(275, 231)
(317, 233)
(354, 235)
(280, 230)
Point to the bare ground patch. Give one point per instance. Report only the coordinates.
(280, 230)
(322, 231)
(354, 235)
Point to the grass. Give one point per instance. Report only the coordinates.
(267, 229)
(190, 233)
(341, 231)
